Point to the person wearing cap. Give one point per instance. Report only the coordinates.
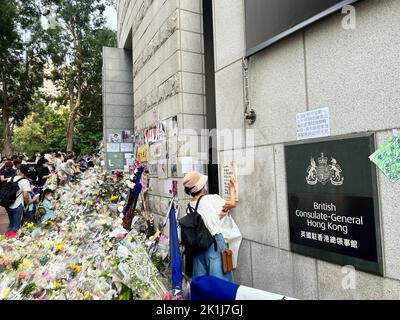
(16, 210)
(215, 213)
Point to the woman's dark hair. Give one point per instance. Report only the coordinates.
(9, 164)
(17, 162)
(42, 161)
(47, 191)
(193, 194)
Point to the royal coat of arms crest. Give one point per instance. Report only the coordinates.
(324, 172)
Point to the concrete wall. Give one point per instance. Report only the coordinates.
(117, 95)
(353, 72)
(168, 73)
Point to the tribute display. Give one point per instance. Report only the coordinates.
(268, 21)
(333, 202)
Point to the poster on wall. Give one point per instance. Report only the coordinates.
(387, 158)
(162, 130)
(153, 169)
(173, 167)
(163, 169)
(112, 147)
(127, 147)
(142, 153)
(127, 136)
(228, 170)
(333, 202)
(187, 164)
(115, 138)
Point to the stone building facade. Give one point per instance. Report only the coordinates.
(354, 73)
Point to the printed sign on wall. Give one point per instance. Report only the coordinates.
(333, 202)
(313, 124)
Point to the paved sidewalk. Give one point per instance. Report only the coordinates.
(3, 221)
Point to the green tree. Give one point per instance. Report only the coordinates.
(44, 129)
(74, 42)
(22, 60)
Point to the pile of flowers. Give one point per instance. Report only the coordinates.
(85, 253)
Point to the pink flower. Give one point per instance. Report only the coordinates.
(22, 275)
(9, 248)
(179, 297)
(120, 236)
(167, 296)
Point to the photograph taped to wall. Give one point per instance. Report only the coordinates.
(173, 167)
(115, 137)
(153, 169)
(163, 169)
(127, 136)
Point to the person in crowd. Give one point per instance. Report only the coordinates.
(49, 205)
(213, 209)
(66, 171)
(58, 161)
(23, 158)
(31, 207)
(17, 163)
(36, 156)
(16, 210)
(42, 171)
(8, 171)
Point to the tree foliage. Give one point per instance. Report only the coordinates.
(75, 41)
(22, 60)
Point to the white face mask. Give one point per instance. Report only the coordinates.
(50, 198)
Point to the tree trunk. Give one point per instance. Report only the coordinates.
(7, 134)
(73, 112)
(70, 129)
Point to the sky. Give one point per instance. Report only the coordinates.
(111, 15)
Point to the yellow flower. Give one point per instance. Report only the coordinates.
(90, 202)
(59, 247)
(76, 267)
(114, 198)
(6, 292)
(86, 295)
(26, 265)
(56, 284)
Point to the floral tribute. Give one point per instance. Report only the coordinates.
(85, 254)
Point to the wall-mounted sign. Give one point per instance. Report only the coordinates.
(313, 124)
(333, 202)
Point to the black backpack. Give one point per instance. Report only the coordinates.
(194, 234)
(8, 193)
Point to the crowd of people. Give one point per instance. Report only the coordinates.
(25, 184)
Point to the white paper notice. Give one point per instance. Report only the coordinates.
(126, 147)
(129, 155)
(168, 187)
(187, 164)
(313, 124)
(229, 170)
(112, 147)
